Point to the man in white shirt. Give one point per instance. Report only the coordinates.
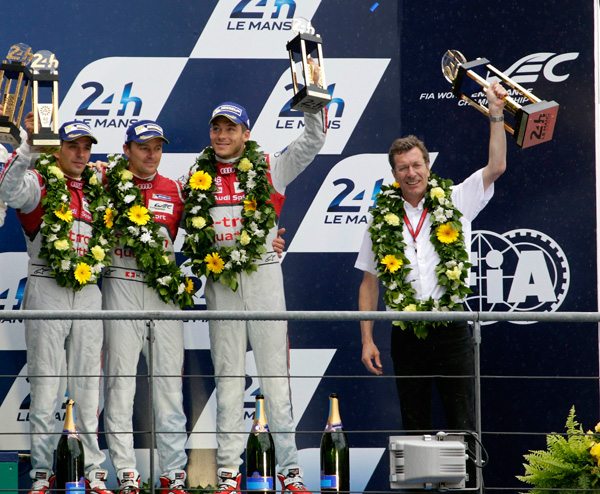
(425, 349)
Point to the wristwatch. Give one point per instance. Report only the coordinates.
(496, 119)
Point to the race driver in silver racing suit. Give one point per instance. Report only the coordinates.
(260, 291)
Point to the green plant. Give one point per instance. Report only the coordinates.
(570, 462)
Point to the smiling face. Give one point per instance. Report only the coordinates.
(228, 139)
(411, 172)
(74, 155)
(144, 158)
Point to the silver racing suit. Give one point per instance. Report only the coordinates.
(260, 291)
(124, 288)
(46, 340)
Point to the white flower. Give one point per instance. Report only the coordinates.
(439, 215)
(164, 280)
(250, 184)
(444, 201)
(259, 233)
(251, 174)
(180, 288)
(195, 210)
(129, 198)
(65, 264)
(51, 238)
(399, 298)
(235, 255)
(433, 182)
(449, 213)
(134, 230)
(64, 198)
(146, 237)
(45, 161)
(97, 268)
(393, 285)
(227, 266)
(451, 264)
(253, 227)
(454, 298)
(102, 240)
(257, 215)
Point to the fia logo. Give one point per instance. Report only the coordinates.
(520, 271)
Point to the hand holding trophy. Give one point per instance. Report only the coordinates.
(533, 123)
(314, 95)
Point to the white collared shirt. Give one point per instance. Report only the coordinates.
(469, 198)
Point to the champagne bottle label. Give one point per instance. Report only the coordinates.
(329, 481)
(77, 487)
(257, 427)
(333, 427)
(257, 482)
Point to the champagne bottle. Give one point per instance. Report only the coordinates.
(260, 452)
(70, 460)
(335, 453)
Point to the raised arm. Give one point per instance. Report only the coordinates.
(497, 152)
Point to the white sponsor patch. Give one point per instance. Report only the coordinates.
(160, 207)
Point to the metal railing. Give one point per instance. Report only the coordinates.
(476, 318)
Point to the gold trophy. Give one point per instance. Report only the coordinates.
(533, 123)
(44, 77)
(314, 95)
(14, 67)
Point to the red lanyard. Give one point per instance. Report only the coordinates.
(419, 226)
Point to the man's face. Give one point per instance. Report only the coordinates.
(411, 172)
(74, 156)
(227, 138)
(144, 157)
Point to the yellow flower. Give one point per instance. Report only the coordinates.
(597, 428)
(214, 262)
(396, 185)
(61, 244)
(454, 273)
(200, 180)
(189, 285)
(83, 273)
(98, 253)
(437, 193)
(446, 234)
(410, 308)
(93, 179)
(392, 264)
(198, 222)
(249, 205)
(245, 165)
(244, 238)
(66, 216)
(108, 218)
(595, 452)
(138, 214)
(392, 219)
(56, 171)
(126, 175)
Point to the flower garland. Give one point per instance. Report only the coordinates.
(141, 234)
(223, 264)
(447, 239)
(66, 265)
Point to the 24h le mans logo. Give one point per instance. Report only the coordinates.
(520, 271)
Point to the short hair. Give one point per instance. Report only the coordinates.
(405, 144)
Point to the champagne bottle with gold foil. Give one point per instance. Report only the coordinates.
(260, 453)
(70, 459)
(335, 453)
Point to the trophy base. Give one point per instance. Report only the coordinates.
(9, 133)
(45, 142)
(311, 99)
(535, 123)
